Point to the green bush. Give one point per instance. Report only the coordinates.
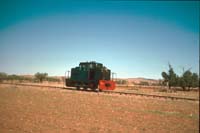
(3, 76)
(144, 83)
(41, 76)
(52, 79)
(121, 82)
(187, 80)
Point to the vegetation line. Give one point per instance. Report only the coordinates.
(111, 92)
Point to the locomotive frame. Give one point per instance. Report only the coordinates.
(91, 75)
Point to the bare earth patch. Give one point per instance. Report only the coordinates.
(32, 109)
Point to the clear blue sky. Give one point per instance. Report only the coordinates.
(133, 39)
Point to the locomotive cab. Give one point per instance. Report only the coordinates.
(91, 75)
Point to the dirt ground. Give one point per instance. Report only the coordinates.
(32, 109)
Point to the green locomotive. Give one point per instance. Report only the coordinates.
(91, 75)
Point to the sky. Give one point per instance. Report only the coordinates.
(132, 38)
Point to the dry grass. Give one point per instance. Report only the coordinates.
(29, 109)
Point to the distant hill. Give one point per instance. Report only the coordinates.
(138, 80)
(32, 76)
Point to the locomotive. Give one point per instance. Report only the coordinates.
(91, 75)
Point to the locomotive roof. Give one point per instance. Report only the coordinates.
(91, 62)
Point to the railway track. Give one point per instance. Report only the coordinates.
(110, 92)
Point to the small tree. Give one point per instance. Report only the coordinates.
(181, 83)
(3, 76)
(187, 79)
(123, 82)
(14, 77)
(170, 78)
(166, 78)
(41, 76)
(195, 80)
(144, 83)
(53, 79)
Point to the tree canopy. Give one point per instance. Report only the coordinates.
(186, 80)
(170, 78)
(41, 76)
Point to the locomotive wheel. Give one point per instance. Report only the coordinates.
(84, 88)
(78, 88)
(94, 88)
